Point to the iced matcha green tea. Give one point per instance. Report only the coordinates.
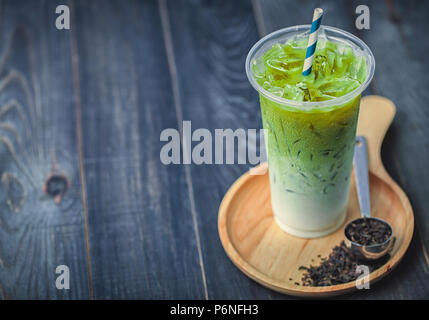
(310, 123)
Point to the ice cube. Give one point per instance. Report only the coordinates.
(357, 69)
(340, 64)
(338, 87)
(276, 51)
(330, 56)
(276, 90)
(258, 68)
(348, 52)
(299, 41)
(293, 93)
(321, 66)
(274, 65)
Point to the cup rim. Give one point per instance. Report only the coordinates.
(309, 105)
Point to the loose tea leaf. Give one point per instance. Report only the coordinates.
(340, 267)
(368, 231)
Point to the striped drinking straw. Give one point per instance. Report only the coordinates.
(312, 41)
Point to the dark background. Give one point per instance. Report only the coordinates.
(83, 109)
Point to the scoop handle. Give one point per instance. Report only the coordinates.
(375, 116)
(360, 164)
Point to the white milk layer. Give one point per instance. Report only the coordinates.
(307, 215)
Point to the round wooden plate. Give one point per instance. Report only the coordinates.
(268, 255)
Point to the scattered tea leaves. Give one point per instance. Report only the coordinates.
(339, 267)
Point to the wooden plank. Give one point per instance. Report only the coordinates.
(38, 138)
(277, 14)
(403, 154)
(210, 42)
(142, 238)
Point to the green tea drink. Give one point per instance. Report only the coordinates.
(310, 124)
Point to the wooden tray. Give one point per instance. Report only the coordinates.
(259, 248)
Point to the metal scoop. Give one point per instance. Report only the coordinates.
(360, 163)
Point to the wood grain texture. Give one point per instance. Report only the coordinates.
(37, 139)
(272, 257)
(277, 14)
(142, 240)
(405, 148)
(152, 228)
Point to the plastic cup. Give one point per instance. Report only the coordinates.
(310, 145)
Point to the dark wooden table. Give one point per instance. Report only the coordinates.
(81, 113)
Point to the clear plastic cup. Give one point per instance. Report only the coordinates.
(310, 145)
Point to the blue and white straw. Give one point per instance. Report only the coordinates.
(312, 41)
